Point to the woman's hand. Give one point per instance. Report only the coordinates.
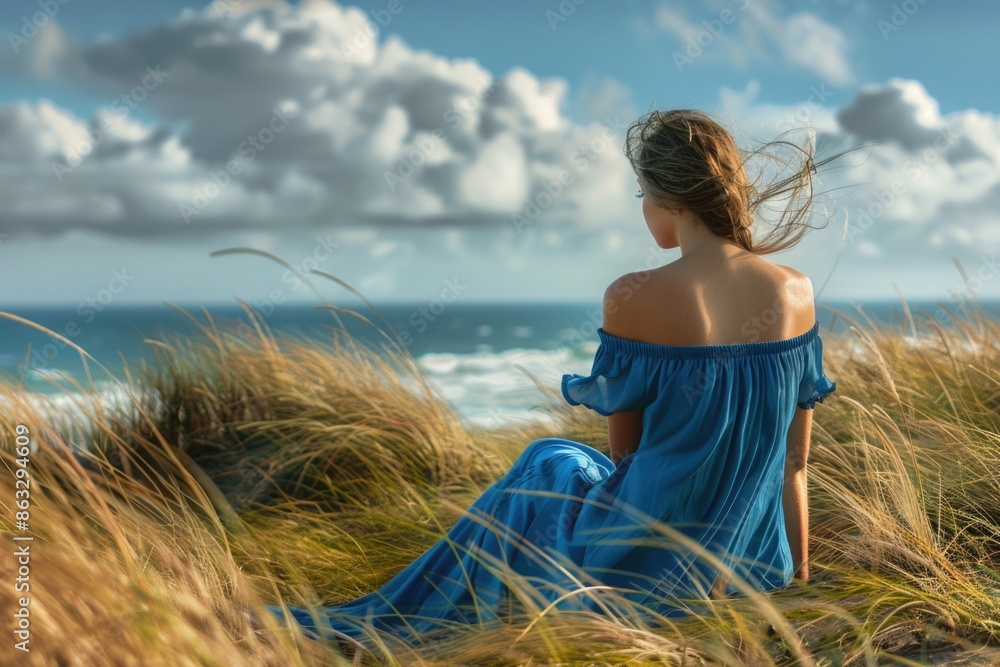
(624, 432)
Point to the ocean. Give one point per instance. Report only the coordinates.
(479, 355)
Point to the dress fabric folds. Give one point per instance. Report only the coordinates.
(706, 477)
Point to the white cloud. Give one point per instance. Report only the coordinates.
(808, 42)
(926, 170)
(497, 176)
(365, 108)
(598, 99)
(747, 32)
(372, 133)
(674, 22)
(927, 186)
(901, 110)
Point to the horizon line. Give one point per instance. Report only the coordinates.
(417, 302)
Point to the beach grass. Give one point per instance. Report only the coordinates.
(258, 469)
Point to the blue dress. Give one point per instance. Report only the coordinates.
(709, 464)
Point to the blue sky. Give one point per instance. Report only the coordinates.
(564, 75)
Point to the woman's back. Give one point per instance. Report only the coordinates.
(702, 364)
(729, 296)
(710, 461)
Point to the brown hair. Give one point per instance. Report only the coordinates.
(686, 160)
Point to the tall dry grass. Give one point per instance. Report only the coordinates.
(259, 469)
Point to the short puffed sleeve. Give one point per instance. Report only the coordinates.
(814, 385)
(619, 379)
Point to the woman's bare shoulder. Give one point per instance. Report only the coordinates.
(798, 285)
(631, 288)
(635, 301)
(669, 305)
(790, 272)
(796, 291)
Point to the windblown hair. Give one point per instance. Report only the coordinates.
(684, 159)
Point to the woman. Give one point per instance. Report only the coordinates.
(707, 369)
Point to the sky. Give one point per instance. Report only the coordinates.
(420, 150)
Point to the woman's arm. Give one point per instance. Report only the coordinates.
(795, 498)
(624, 428)
(624, 431)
